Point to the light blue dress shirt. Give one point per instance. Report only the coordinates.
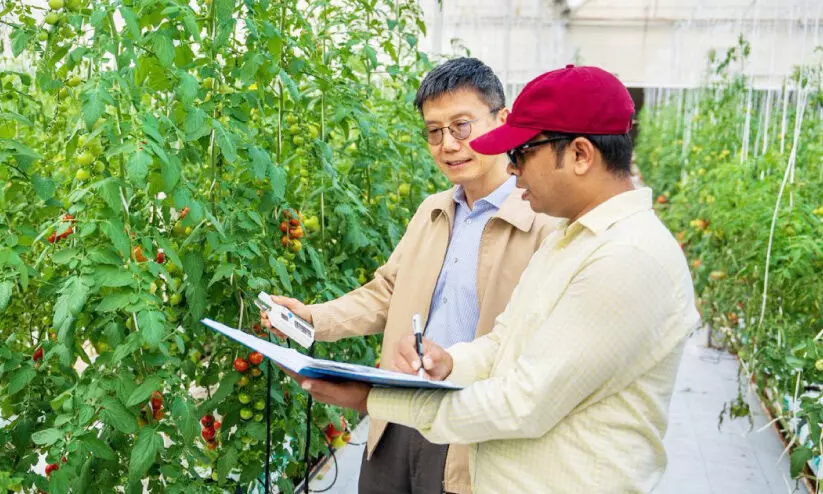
(454, 308)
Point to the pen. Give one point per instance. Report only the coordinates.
(418, 335)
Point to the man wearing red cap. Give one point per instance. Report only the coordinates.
(570, 391)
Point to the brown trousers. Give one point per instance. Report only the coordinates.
(404, 462)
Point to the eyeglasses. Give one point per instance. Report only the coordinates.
(516, 154)
(460, 130)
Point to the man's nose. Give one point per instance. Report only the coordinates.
(512, 170)
(449, 141)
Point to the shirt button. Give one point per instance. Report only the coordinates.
(445, 300)
(468, 221)
(455, 260)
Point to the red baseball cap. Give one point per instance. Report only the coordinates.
(573, 100)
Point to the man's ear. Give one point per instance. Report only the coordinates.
(584, 155)
(502, 115)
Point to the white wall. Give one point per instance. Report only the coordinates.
(646, 42)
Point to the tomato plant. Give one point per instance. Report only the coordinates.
(150, 151)
(751, 226)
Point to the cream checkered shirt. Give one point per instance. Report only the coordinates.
(570, 391)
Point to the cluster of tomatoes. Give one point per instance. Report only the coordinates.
(337, 437)
(292, 231)
(54, 237)
(210, 426)
(251, 364)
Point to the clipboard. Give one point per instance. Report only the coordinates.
(329, 370)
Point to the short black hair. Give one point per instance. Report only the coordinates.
(616, 149)
(462, 73)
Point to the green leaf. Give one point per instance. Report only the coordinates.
(142, 393)
(6, 288)
(316, 263)
(226, 388)
(283, 276)
(225, 141)
(196, 124)
(278, 183)
(72, 298)
(132, 24)
(190, 23)
(148, 444)
(138, 168)
(115, 231)
(109, 190)
(114, 276)
(290, 85)
(223, 271)
(59, 482)
(223, 10)
(114, 414)
(127, 348)
(171, 174)
(152, 327)
(98, 448)
(171, 253)
(163, 48)
(225, 463)
(19, 41)
(43, 187)
(47, 437)
(187, 89)
(65, 255)
(800, 456)
(185, 418)
(93, 106)
(260, 162)
(115, 301)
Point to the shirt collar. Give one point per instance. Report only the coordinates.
(615, 209)
(512, 209)
(495, 198)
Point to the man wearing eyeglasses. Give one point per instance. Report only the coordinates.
(456, 266)
(570, 391)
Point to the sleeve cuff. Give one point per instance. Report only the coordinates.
(391, 405)
(319, 320)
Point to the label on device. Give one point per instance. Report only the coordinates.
(286, 321)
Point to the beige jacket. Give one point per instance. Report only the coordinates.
(405, 285)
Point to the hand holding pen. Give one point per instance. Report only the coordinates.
(417, 355)
(417, 328)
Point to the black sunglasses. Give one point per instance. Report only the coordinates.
(517, 153)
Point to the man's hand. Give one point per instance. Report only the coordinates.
(351, 394)
(436, 361)
(300, 310)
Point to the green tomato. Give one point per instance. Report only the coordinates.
(243, 381)
(259, 405)
(298, 140)
(52, 18)
(85, 158)
(245, 414)
(42, 35)
(55, 4)
(175, 299)
(258, 417)
(82, 174)
(403, 190)
(244, 398)
(819, 365)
